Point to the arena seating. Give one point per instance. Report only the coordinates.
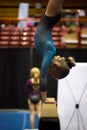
(12, 36)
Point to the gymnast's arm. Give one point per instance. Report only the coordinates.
(27, 87)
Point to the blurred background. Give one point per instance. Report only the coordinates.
(18, 21)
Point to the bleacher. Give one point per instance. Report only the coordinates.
(63, 37)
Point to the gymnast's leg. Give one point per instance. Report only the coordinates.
(54, 7)
(43, 40)
(32, 113)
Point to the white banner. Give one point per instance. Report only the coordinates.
(72, 99)
(23, 13)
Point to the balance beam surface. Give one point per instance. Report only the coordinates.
(49, 117)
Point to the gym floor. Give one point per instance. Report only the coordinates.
(16, 120)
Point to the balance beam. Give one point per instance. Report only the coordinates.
(49, 117)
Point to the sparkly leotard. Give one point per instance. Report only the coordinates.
(32, 91)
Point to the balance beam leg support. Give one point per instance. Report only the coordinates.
(49, 117)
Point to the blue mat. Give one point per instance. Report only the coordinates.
(16, 120)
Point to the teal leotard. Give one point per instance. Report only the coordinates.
(45, 46)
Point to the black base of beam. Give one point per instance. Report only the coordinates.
(49, 124)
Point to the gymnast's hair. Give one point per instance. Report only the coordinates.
(34, 70)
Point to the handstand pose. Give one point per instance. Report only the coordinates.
(44, 42)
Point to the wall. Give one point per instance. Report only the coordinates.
(14, 71)
(9, 9)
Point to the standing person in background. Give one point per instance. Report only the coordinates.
(32, 91)
(44, 42)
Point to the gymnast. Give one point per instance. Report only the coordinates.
(44, 42)
(32, 91)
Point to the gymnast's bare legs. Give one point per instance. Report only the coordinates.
(43, 40)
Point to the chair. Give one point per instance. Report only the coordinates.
(32, 32)
(57, 37)
(4, 36)
(24, 37)
(14, 36)
(26, 29)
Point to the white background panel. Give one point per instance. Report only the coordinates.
(72, 90)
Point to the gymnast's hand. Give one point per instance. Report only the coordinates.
(45, 99)
(50, 101)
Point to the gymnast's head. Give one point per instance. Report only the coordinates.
(34, 72)
(60, 66)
